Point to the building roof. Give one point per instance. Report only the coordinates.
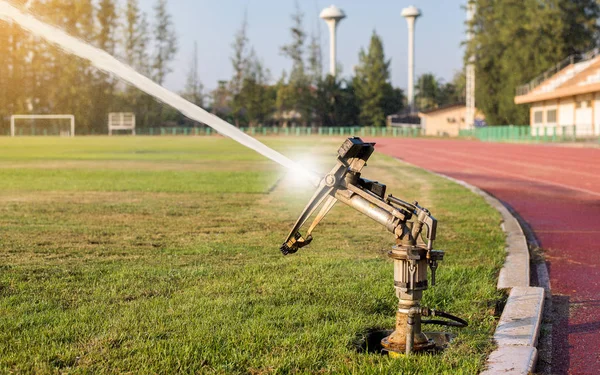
(576, 78)
(442, 109)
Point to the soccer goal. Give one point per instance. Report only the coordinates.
(49, 128)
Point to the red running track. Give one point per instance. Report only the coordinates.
(557, 191)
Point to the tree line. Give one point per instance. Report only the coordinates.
(38, 78)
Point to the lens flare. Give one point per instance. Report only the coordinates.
(304, 176)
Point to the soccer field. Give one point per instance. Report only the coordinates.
(161, 255)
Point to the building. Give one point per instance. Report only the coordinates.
(447, 121)
(403, 120)
(566, 95)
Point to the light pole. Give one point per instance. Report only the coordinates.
(332, 16)
(470, 74)
(411, 14)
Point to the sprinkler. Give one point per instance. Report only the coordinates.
(414, 229)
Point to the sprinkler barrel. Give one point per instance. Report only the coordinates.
(413, 227)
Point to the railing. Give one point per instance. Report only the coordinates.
(537, 134)
(537, 81)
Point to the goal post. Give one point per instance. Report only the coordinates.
(71, 118)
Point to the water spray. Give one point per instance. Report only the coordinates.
(107, 63)
(413, 227)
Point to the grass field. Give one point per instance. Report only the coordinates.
(161, 255)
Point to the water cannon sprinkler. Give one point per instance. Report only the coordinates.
(413, 227)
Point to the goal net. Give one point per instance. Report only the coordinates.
(51, 125)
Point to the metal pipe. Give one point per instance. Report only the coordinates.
(410, 332)
(376, 213)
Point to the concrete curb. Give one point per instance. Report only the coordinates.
(519, 326)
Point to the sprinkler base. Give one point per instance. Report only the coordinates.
(371, 342)
(425, 345)
(437, 342)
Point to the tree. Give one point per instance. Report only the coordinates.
(13, 70)
(221, 99)
(136, 41)
(371, 81)
(297, 96)
(193, 87)
(4, 79)
(165, 48)
(393, 100)
(283, 100)
(295, 50)
(239, 62)
(239, 59)
(580, 25)
(433, 92)
(428, 92)
(515, 41)
(60, 83)
(136, 38)
(165, 42)
(456, 91)
(108, 22)
(336, 103)
(106, 39)
(315, 59)
(256, 98)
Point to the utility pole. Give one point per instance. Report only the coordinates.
(470, 73)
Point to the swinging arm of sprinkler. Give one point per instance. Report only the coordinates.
(344, 183)
(414, 229)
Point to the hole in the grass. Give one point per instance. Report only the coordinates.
(369, 341)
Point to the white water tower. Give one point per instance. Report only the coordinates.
(332, 16)
(411, 14)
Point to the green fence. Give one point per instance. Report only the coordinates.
(514, 133)
(291, 131)
(347, 131)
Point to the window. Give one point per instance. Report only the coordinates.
(538, 117)
(551, 116)
(583, 104)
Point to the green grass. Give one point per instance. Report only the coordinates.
(160, 255)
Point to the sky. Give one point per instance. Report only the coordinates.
(213, 24)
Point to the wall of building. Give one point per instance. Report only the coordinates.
(566, 111)
(597, 113)
(581, 110)
(445, 122)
